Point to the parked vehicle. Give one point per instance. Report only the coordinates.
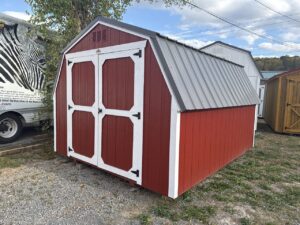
(22, 63)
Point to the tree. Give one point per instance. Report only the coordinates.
(59, 21)
(283, 63)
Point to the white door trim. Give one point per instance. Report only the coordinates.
(92, 109)
(122, 52)
(110, 49)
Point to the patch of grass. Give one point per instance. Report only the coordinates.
(229, 210)
(187, 196)
(6, 162)
(264, 186)
(184, 212)
(245, 221)
(202, 214)
(163, 211)
(145, 219)
(16, 160)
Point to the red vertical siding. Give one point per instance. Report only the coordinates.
(83, 83)
(157, 110)
(83, 126)
(113, 37)
(117, 141)
(61, 112)
(118, 83)
(210, 139)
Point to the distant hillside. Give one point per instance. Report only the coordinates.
(282, 63)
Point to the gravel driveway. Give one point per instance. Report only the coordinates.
(59, 192)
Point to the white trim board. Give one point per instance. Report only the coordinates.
(174, 151)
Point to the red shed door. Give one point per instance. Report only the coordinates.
(121, 82)
(82, 107)
(105, 92)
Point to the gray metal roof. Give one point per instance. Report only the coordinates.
(204, 81)
(197, 79)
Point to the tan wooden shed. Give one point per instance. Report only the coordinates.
(282, 102)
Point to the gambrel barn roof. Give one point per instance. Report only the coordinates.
(198, 80)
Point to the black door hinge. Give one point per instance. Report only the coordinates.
(70, 150)
(139, 53)
(136, 172)
(99, 110)
(138, 115)
(69, 107)
(69, 62)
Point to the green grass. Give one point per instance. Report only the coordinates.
(245, 221)
(184, 212)
(144, 219)
(265, 180)
(16, 160)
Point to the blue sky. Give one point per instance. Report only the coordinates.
(197, 28)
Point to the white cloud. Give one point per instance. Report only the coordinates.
(195, 24)
(291, 35)
(246, 13)
(19, 15)
(196, 43)
(288, 47)
(251, 38)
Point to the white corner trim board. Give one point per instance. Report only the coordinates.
(174, 151)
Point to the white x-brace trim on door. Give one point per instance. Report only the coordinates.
(98, 57)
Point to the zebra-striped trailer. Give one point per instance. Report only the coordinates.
(22, 63)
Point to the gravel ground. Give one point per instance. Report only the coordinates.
(59, 192)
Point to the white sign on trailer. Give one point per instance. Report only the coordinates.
(14, 97)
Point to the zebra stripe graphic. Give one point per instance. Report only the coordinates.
(22, 61)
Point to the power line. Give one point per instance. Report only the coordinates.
(226, 29)
(268, 7)
(237, 26)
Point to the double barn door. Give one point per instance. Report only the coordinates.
(105, 108)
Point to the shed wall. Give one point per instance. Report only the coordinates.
(210, 139)
(272, 97)
(157, 109)
(282, 103)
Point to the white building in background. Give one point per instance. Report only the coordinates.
(242, 57)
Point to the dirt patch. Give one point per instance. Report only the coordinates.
(59, 192)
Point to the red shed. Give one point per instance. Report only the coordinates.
(152, 110)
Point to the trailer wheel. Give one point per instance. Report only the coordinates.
(10, 128)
